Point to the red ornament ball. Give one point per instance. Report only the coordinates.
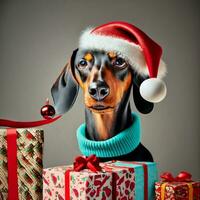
(47, 111)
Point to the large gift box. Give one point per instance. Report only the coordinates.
(178, 188)
(116, 180)
(21, 165)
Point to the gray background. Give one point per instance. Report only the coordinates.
(37, 38)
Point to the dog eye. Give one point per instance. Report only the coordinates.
(82, 63)
(119, 62)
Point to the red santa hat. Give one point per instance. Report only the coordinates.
(143, 54)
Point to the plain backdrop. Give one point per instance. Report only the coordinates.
(37, 38)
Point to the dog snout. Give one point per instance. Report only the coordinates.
(98, 90)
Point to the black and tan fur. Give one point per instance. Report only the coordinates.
(106, 80)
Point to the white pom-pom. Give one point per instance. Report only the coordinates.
(153, 90)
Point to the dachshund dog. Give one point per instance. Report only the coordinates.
(106, 80)
(112, 59)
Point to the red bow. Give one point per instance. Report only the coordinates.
(181, 177)
(91, 162)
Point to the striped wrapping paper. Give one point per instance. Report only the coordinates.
(29, 164)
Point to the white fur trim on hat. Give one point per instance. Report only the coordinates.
(130, 51)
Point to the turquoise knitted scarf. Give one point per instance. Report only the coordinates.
(121, 144)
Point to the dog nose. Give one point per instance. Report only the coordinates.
(98, 90)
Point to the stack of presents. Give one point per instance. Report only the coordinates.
(22, 175)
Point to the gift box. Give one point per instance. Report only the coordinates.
(115, 180)
(178, 188)
(82, 185)
(21, 164)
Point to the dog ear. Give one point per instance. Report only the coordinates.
(65, 90)
(141, 104)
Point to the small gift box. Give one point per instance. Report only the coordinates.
(177, 188)
(89, 179)
(21, 166)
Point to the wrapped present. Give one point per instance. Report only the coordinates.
(76, 182)
(21, 164)
(112, 180)
(177, 188)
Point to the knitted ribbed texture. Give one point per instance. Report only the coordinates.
(121, 144)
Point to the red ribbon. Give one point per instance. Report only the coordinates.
(183, 176)
(91, 162)
(12, 164)
(145, 168)
(80, 163)
(17, 124)
(67, 184)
